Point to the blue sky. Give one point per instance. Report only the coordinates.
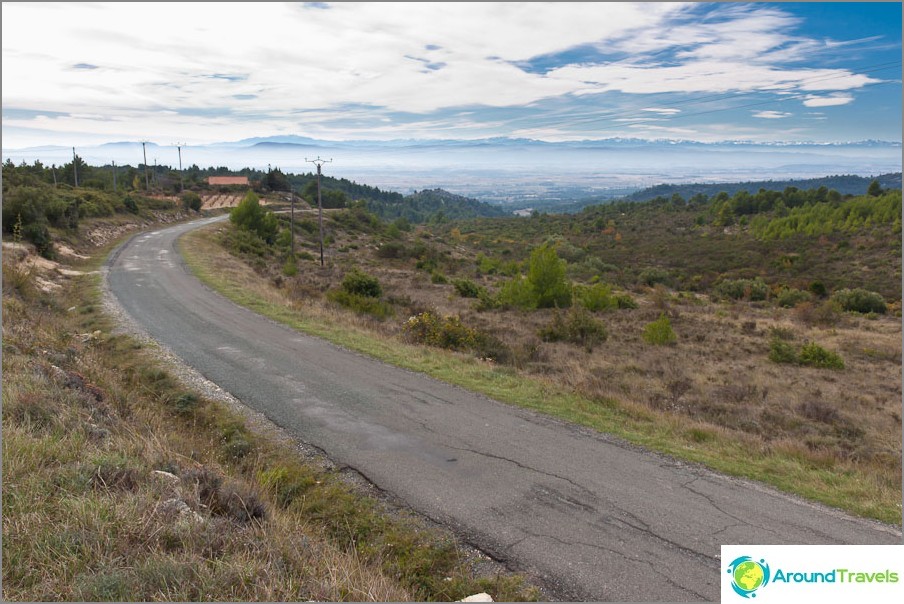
(77, 74)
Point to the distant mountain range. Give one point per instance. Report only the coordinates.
(509, 170)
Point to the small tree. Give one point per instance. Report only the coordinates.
(546, 277)
(875, 189)
(249, 215)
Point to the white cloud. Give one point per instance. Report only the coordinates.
(662, 110)
(185, 71)
(771, 115)
(828, 101)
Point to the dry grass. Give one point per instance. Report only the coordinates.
(119, 484)
(715, 390)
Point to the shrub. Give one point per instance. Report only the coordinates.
(625, 301)
(130, 204)
(466, 288)
(790, 297)
(781, 352)
(486, 300)
(38, 234)
(738, 289)
(392, 249)
(191, 201)
(443, 332)
(246, 242)
(290, 268)
(596, 297)
(438, 278)
(818, 289)
(860, 300)
(517, 293)
(660, 332)
(815, 355)
(578, 327)
(826, 314)
(652, 276)
(367, 305)
(361, 284)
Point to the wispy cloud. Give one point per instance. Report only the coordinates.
(828, 101)
(771, 115)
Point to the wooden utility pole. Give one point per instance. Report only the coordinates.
(319, 162)
(147, 179)
(181, 179)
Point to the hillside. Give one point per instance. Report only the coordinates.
(846, 185)
(433, 204)
(730, 331)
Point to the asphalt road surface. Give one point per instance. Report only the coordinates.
(591, 517)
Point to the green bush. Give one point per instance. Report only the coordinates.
(815, 355)
(781, 351)
(358, 283)
(290, 268)
(652, 276)
(251, 216)
(818, 289)
(392, 249)
(738, 289)
(790, 297)
(596, 297)
(241, 241)
(625, 301)
(130, 204)
(546, 276)
(578, 327)
(191, 201)
(486, 300)
(860, 300)
(443, 332)
(660, 332)
(38, 234)
(517, 293)
(466, 288)
(366, 305)
(438, 278)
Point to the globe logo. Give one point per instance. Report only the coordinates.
(748, 575)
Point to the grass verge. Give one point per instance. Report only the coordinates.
(872, 495)
(119, 483)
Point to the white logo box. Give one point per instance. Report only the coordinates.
(794, 574)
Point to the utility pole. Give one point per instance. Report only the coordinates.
(181, 179)
(156, 177)
(75, 166)
(114, 176)
(147, 180)
(319, 162)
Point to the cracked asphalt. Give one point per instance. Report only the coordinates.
(587, 515)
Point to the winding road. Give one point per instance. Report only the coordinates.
(589, 516)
